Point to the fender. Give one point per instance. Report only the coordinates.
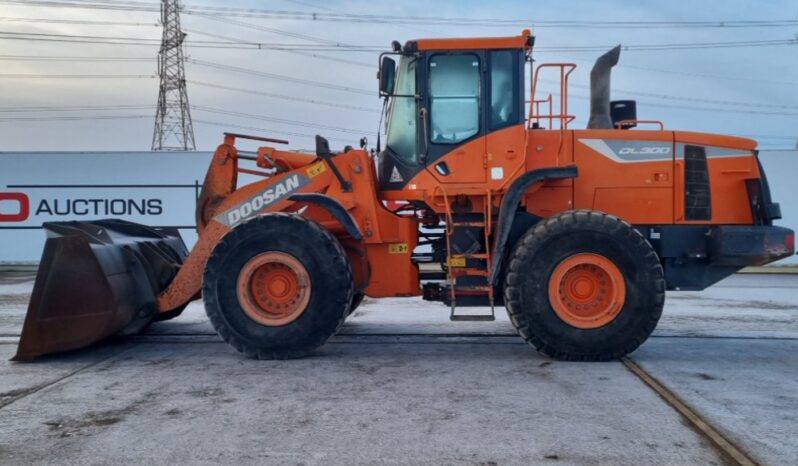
(333, 207)
(510, 203)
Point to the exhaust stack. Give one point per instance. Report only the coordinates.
(600, 90)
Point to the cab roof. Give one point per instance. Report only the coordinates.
(525, 41)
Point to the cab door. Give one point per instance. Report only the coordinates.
(504, 116)
(453, 118)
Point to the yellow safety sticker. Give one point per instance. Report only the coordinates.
(457, 262)
(316, 169)
(398, 248)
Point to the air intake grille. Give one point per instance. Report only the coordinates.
(697, 194)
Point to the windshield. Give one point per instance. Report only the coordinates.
(402, 121)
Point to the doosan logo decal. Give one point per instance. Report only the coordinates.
(19, 210)
(265, 198)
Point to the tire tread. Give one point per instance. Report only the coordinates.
(530, 243)
(331, 249)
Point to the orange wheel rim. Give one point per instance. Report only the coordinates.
(587, 290)
(273, 288)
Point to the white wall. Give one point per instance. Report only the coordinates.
(781, 167)
(76, 186)
(93, 185)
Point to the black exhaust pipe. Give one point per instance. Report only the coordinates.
(600, 90)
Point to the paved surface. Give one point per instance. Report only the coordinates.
(402, 385)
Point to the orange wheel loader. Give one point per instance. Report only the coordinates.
(482, 196)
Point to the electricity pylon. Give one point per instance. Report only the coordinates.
(173, 128)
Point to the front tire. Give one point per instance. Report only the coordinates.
(584, 286)
(277, 286)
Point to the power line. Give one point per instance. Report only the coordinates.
(150, 59)
(673, 46)
(117, 40)
(497, 22)
(309, 38)
(719, 110)
(686, 99)
(405, 19)
(73, 118)
(403, 26)
(769, 136)
(231, 125)
(141, 41)
(707, 76)
(77, 76)
(697, 108)
(264, 74)
(130, 6)
(366, 92)
(200, 108)
(9, 19)
(280, 32)
(709, 101)
(271, 119)
(285, 97)
(234, 40)
(73, 58)
(267, 131)
(79, 108)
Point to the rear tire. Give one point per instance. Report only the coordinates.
(277, 286)
(584, 286)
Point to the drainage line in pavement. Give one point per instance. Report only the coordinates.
(374, 338)
(718, 440)
(724, 337)
(15, 336)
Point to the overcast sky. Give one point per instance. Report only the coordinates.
(746, 91)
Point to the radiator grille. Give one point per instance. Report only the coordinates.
(697, 194)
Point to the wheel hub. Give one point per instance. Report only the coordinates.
(587, 290)
(273, 288)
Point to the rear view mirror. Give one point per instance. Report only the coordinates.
(322, 147)
(387, 76)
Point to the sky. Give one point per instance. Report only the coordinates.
(746, 91)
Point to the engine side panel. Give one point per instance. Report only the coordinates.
(626, 173)
(730, 162)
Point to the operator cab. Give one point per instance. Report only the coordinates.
(446, 95)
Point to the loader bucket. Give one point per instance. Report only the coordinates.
(95, 280)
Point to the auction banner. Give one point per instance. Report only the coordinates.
(158, 189)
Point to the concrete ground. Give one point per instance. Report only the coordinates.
(401, 384)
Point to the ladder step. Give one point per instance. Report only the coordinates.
(480, 255)
(467, 224)
(485, 288)
(462, 272)
(472, 318)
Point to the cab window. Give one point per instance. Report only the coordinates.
(454, 98)
(504, 92)
(402, 124)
